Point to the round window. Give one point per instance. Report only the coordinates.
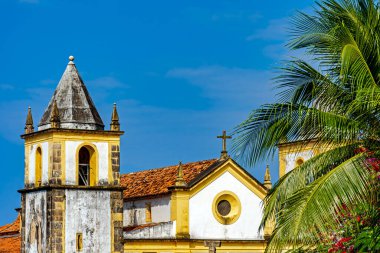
(299, 162)
(226, 207)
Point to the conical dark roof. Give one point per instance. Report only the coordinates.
(75, 106)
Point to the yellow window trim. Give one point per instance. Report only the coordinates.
(94, 163)
(148, 212)
(79, 242)
(38, 161)
(235, 212)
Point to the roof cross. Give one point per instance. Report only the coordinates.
(224, 138)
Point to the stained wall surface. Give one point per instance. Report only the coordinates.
(203, 224)
(88, 212)
(135, 211)
(35, 222)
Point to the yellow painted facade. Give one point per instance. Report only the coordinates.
(179, 213)
(296, 149)
(191, 246)
(57, 136)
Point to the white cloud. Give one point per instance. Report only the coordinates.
(107, 82)
(234, 87)
(277, 29)
(239, 15)
(6, 86)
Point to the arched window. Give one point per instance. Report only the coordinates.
(38, 167)
(299, 162)
(87, 166)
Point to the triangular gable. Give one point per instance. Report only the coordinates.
(219, 168)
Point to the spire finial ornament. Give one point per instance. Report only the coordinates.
(115, 125)
(180, 181)
(54, 116)
(224, 137)
(71, 59)
(29, 128)
(267, 179)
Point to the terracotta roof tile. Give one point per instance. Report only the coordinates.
(10, 239)
(157, 181)
(10, 244)
(12, 228)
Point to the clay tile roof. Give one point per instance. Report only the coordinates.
(12, 228)
(157, 181)
(10, 239)
(10, 244)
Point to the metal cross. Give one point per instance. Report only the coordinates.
(212, 245)
(224, 137)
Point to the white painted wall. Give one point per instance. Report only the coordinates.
(71, 149)
(293, 157)
(89, 213)
(134, 211)
(103, 161)
(45, 163)
(32, 164)
(71, 156)
(202, 222)
(35, 222)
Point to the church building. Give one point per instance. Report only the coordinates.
(75, 199)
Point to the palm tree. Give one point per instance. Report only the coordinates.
(336, 103)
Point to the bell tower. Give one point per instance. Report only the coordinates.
(293, 154)
(72, 199)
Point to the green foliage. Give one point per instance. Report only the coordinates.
(368, 240)
(337, 104)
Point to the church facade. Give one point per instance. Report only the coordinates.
(76, 200)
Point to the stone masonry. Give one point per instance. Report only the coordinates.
(55, 224)
(55, 161)
(117, 220)
(115, 158)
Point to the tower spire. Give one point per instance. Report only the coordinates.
(76, 108)
(267, 178)
(180, 181)
(115, 125)
(54, 116)
(29, 128)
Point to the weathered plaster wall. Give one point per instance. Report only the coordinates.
(134, 211)
(35, 222)
(71, 156)
(88, 212)
(163, 230)
(202, 222)
(292, 158)
(45, 163)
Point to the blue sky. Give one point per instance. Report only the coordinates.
(180, 72)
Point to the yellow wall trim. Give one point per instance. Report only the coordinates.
(233, 168)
